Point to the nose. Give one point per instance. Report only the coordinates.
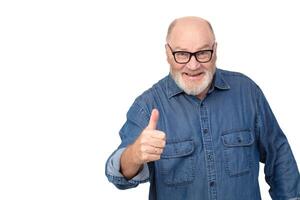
(193, 64)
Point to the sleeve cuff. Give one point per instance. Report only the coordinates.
(113, 168)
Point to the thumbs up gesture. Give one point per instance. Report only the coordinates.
(153, 120)
(146, 148)
(151, 142)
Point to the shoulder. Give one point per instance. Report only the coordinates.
(148, 99)
(237, 79)
(241, 84)
(235, 75)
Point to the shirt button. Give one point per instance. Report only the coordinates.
(239, 140)
(209, 157)
(211, 184)
(205, 130)
(202, 104)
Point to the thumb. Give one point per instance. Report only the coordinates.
(153, 119)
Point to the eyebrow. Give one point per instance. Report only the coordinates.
(177, 48)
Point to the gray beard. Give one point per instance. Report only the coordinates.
(195, 89)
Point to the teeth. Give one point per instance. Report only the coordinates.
(193, 74)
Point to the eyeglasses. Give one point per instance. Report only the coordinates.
(183, 57)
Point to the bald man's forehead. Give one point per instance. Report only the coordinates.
(190, 26)
(191, 32)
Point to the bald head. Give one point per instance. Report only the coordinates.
(188, 23)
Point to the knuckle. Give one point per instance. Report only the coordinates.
(156, 157)
(161, 151)
(163, 136)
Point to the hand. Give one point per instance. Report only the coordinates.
(146, 148)
(151, 142)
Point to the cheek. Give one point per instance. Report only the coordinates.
(210, 66)
(176, 67)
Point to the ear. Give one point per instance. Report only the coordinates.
(168, 53)
(215, 49)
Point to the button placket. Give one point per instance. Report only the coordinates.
(209, 153)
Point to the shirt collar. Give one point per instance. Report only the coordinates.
(218, 82)
(172, 87)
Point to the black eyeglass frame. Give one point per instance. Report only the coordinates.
(192, 54)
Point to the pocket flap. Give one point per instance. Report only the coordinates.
(239, 138)
(178, 149)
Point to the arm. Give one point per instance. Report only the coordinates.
(281, 171)
(147, 147)
(114, 175)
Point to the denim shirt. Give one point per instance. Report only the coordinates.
(213, 146)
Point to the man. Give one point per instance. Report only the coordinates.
(200, 132)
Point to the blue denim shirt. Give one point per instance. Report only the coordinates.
(214, 145)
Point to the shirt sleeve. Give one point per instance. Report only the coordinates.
(115, 176)
(137, 119)
(281, 171)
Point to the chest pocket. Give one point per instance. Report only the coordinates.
(177, 163)
(237, 146)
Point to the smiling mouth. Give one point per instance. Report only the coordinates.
(193, 74)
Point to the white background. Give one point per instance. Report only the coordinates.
(69, 70)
